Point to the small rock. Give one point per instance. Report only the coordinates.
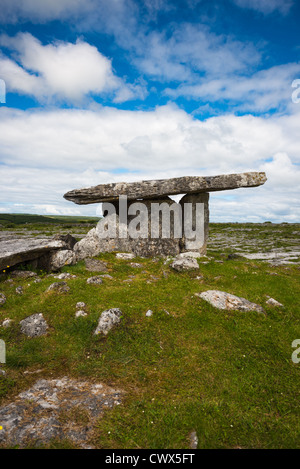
(22, 274)
(80, 305)
(64, 276)
(94, 265)
(19, 290)
(136, 265)
(275, 303)
(149, 313)
(194, 254)
(107, 276)
(2, 299)
(6, 323)
(80, 313)
(97, 280)
(34, 325)
(185, 263)
(193, 440)
(223, 300)
(58, 287)
(125, 255)
(108, 319)
(37, 280)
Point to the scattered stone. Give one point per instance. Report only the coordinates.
(108, 319)
(149, 313)
(193, 440)
(6, 323)
(58, 287)
(2, 299)
(22, 274)
(80, 305)
(80, 313)
(125, 255)
(94, 265)
(37, 280)
(233, 256)
(19, 290)
(65, 276)
(195, 254)
(227, 301)
(275, 303)
(107, 276)
(136, 265)
(38, 414)
(96, 280)
(185, 263)
(34, 325)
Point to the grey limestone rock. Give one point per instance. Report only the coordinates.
(34, 325)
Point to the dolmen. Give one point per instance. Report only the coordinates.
(141, 218)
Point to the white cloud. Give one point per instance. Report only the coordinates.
(191, 49)
(62, 70)
(13, 11)
(262, 91)
(46, 153)
(266, 6)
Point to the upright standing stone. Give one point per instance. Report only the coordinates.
(195, 213)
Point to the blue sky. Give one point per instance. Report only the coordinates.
(100, 91)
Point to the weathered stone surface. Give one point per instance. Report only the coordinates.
(108, 319)
(199, 220)
(163, 187)
(184, 263)
(227, 301)
(95, 265)
(58, 287)
(34, 326)
(2, 299)
(275, 303)
(17, 251)
(96, 280)
(61, 258)
(22, 274)
(39, 413)
(125, 255)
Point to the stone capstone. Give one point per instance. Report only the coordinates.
(164, 187)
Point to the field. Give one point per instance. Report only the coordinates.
(226, 375)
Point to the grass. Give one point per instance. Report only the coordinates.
(226, 375)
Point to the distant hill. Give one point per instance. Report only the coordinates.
(22, 218)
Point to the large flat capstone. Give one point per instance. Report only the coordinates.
(16, 251)
(163, 187)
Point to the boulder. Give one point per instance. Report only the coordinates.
(34, 325)
(18, 251)
(108, 319)
(227, 301)
(184, 263)
(61, 258)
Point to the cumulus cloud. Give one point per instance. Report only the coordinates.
(62, 70)
(46, 153)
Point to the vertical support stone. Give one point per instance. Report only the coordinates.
(199, 222)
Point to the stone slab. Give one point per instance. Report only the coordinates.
(162, 187)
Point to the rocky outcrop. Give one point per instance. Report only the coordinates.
(227, 301)
(18, 251)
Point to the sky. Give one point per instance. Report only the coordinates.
(98, 91)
